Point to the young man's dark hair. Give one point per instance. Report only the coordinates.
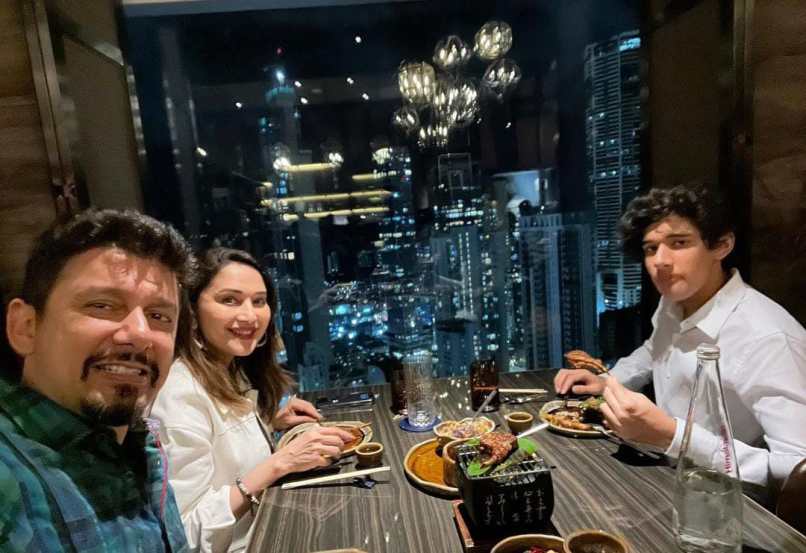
(699, 204)
(128, 230)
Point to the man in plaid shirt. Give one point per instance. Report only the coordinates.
(95, 330)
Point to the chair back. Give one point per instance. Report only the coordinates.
(791, 507)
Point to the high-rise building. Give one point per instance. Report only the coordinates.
(296, 249)
(557, 293)
(466, 249)
(613, 119)
(399, 275)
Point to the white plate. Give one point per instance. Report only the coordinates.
(558, 404)
(299, 429)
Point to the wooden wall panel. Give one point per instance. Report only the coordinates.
(26, 202)
(778, 41)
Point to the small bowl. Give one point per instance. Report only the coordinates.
(369, 454)
(444, 430)
(517, 544)
(518, 421)
(449, 462)
(587, 539)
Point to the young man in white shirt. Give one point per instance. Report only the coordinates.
(684, 237)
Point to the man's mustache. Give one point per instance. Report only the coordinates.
(111, 357)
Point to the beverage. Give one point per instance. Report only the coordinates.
(708, 512)
(483, 381)
(397, 381)
(419, 392)
(708, 492)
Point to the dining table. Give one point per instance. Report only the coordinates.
(597, 483)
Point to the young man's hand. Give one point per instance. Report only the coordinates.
(632, 416)
(578, 381)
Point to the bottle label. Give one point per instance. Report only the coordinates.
(723, 431)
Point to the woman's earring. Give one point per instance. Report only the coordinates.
(263, 340)
(199, 343)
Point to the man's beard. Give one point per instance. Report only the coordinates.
(128, 403)
(124, 409)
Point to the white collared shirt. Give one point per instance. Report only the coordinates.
(763, 369)
(208, 445)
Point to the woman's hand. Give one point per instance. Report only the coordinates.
(295, 412)
(318, 447)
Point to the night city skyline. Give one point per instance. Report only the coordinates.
(380, 246)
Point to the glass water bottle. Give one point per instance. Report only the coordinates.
(708, 492)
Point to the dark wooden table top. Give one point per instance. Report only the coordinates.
(595, 486)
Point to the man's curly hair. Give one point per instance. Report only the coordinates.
(702, 206)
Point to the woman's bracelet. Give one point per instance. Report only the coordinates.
(253, 501)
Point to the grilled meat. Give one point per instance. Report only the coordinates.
(495, 447)
(579, 359)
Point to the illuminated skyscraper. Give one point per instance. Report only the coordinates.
(399, 276)
(468, 320)
(296, 244)
(613, 119)
(557, 292)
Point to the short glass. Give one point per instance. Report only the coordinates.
(419, 390)
(483, 381)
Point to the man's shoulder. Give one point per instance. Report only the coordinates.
(759, 317)
(24, 508)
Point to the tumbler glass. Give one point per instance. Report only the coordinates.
(419, 391)
(483, 381)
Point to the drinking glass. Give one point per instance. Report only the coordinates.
(419, 390)
(483, 381)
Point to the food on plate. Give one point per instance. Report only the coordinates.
(494, 447)
(538, 549)
(577, 417)
(357, 434)
(465, 428)
(579, 359)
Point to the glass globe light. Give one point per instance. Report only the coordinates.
(417, 81)
(406, 119)
(451, 53)
(501, 76)
(493, 40)
(456, 102)
(433, 135)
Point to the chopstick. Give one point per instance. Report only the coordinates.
(533, 430)
(333, 477)
(522, 391)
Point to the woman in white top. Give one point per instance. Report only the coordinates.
(221, 400)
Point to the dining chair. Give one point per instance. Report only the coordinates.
(790, 507)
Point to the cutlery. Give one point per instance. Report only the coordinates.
(522, 399)
(613, 437)
(522, 390)
(532, 430)
(487, 401)
(333, 477)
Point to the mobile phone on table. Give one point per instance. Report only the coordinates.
(351, 399)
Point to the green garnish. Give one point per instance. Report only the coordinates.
(526, 448)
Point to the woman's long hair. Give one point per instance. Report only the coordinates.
(260, 367)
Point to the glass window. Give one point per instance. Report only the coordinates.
(438, 175)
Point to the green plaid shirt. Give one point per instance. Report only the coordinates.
(66, 485)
